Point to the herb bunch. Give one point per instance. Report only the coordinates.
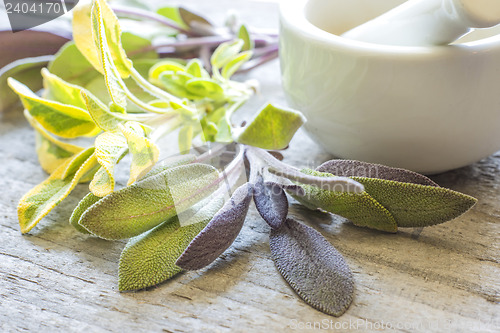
(183, 212)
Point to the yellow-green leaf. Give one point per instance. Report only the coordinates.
(83, 35)
(225, 52)
(164, 66)
(110, 147)
(235, 63)
(195, 68)
(102, 116)
(38, 202)
(63, 120)
(56, 89)
(206, 88)
(144, 151)
(51, 151)
(110, 64)
(244, 35)
(272, 128)
(132, 210)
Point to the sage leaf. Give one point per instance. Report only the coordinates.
(102, 116)
(51, 151)
(360, 208)
(352, 168)
(219, 233)
(56, 89)
(110, 147)
(225, 52)
(172, 13)
(40, 200)
(271, 202)
(150, 258)
(144, 151)
(63, 120)
(109, 65)
(82, 206)
(196, 22)
(169, 163)
(244, 35)
(235, 63)
(195, 68)
(106, 28)
(132, 210)
(207, 88)
(24, 70)
(314, 269)
(271, 128)
(164, 66)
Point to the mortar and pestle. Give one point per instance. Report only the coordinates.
(396, 82)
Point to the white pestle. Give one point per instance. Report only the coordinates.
(428, 22)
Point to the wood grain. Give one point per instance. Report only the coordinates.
(440, 279)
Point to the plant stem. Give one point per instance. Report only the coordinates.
(130, 11)
(278, 168)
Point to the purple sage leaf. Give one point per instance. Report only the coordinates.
(219, 233)
(352, 168)
(271, 202)
(314, 269)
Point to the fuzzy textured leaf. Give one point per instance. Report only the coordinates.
(314, 269)
(144, 151)
(361, 209)
(64, 120)
(353, 168)
(83, 35)
(82, 206)
(38, 202)
(271, 128)
(150, 258)
(110, 147)
(130, 211)
(271, 202)
(220, 232)
(51, 151)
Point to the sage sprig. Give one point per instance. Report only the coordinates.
(109, 88)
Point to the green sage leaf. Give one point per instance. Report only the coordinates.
(172, 13)
(170, 163)
(206, 88)
(244, 35)
(82, 206)
(314, 269)
(102, 116)
(64, 120)
(137, 208)
(271, 128)
(150, 258)
(38, 202)
(361, 209)
(195, 68)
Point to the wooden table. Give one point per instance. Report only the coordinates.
(441, 279)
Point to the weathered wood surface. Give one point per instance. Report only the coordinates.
(440, 279)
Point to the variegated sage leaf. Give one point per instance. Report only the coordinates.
(82, 206)
(110, 147)
(144, 151)
(352, 168)
(63, 120)
(360, 208)
(220, 232)
(51, 151)
(314, 269)
(271, 202)
(135, 209)
(38, 202)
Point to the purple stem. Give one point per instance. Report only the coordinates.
(259, 62)
(122, 10)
